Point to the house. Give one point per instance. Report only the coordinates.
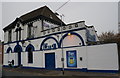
(39, 39)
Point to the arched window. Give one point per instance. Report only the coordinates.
(8, 50)
(18, 32)
(71, 39)
(30, 49)
(30, 55)
(18, 48)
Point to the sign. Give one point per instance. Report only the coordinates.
(48, 25)
(46, 46)
(90, 37)
(71, 58)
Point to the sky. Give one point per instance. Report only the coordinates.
(102, 15)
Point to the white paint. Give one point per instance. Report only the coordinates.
(103, 57)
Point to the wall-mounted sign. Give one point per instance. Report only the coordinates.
(48, 25)
(90, 37)
(46, 46)
(71, 58)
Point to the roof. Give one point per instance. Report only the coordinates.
(75, 22)
(42, 13)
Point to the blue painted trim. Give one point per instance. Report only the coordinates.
(9, 66)
(16, 48)
(30, 46)
(60, 48)
(46, 35)
(72, 33)
(52, 49)
(32, 67)
(104, 71)
(9, 49)
(46, 40)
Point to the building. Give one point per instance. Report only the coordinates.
(39, 39)
(119, 27)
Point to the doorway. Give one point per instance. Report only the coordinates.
(49, 60)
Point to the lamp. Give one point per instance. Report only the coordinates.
(69, 34)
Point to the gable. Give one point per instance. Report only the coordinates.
(43, 13)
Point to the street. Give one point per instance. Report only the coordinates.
(22, 73)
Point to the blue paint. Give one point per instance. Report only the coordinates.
(71, 58)
(46, 35)
(72, 33)
(30, 46)
(18, 49)
(9, 66)
(43, 44)
(53, 48)
(32, 67)
(104, 71)
(49, 60)
(9, 49)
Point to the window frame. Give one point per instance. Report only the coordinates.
(9, 35)
(30, 55)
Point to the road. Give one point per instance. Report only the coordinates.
(38, 73)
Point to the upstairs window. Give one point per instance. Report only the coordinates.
(30, 30)
(9, 35)
(18, 32)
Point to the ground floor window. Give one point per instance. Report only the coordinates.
(30, 55)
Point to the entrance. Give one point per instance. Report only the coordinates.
(19, 58)
(50, 60)
(18, 50)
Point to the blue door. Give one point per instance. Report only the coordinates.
(50, 60)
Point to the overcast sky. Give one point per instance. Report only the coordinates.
(102, 15)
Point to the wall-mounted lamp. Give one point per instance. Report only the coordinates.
(69, 34)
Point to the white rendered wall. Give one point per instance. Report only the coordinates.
(10, 57)
(5, 59)
(102, 57)
(24, 33)
(6, 37)
(81, 52)
(37, 28)
(58, 56)
(37, 59)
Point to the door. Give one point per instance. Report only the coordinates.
(19, 58)
(50, 60)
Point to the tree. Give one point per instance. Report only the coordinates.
(107, 37)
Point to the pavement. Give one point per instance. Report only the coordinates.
(23, 72)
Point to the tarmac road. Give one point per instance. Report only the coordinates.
(30, 73)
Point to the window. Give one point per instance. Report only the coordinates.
(30, 55)
(30, 30)
(20, 33)
(9, 35)
(16, 35)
